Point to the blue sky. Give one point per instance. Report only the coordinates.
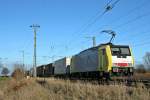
(62, 33)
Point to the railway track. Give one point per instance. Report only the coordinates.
(130, 82)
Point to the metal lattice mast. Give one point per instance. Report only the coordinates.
(93, 40)
(34, 56)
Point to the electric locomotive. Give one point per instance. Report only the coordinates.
(105, 60)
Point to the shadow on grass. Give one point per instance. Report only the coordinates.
(41, 82)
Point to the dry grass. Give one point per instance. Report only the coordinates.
(66, 90)
(142, 75)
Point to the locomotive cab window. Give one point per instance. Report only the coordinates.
(120, 51)
(125, 51)
(115, 51)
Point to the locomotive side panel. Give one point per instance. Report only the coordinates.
(85, 61)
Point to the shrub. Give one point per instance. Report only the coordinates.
(18, 74)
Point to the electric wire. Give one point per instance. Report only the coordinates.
(134, 36)
(132, 20)
(145, 43)
(126, 15)
(108, 7)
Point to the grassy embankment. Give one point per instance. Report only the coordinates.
(11, 89)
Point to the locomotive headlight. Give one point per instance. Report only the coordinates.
(131, 69)
(115, 69)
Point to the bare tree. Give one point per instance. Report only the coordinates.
(5, 71)
(146, 59)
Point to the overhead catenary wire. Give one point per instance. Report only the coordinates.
(137, 18)
(133, 10)
(109, 6)
(132, 20)
(125, 15)
(109, 2)
(98, 15)
(91, 19)
(134, 36)
(133, 30)
(142, 44)
(127, 37)
(114, 4)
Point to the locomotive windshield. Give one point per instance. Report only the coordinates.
(120, 51)
(125, 51)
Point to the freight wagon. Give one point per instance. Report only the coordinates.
(40, 71)
(45, 70)
(61, 66)
(49, 70)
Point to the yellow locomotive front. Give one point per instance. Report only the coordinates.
(116, 60)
